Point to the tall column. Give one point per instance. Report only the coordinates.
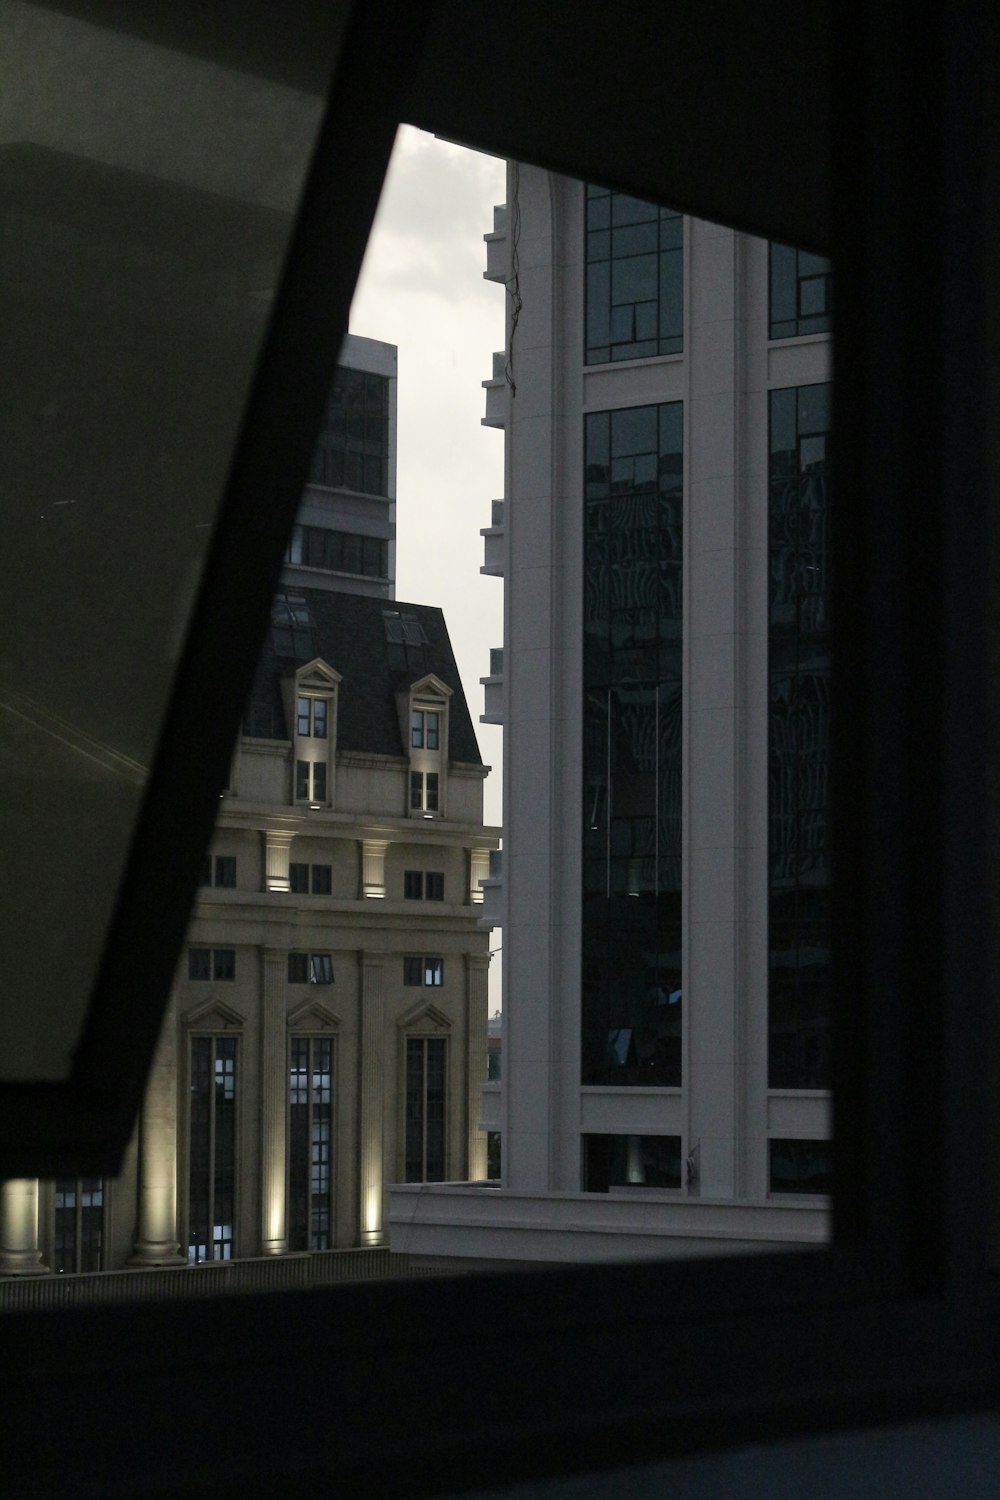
(277, 852)
(156, 1241)
(273, 1116)
(373, 868)
(19, 1252)
(477, 967)
(372, 1098)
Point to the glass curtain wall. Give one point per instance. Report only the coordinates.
(633, 541)
(799, 662)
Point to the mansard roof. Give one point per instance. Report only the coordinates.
(380, 647)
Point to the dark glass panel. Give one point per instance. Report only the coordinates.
(799, 858)
(302, 780)
(622, 1161)
(199, 1149)
(414, 1151)
(223, 963)
(298, 878)
(298, 968)
(435, 885)
(413, 970)
(631, 985)
(199, 963)
(800, 1166)
(432, 791)
(319, 781)
(413, 885)
(322, 880)
(634, 279)
(225, 871)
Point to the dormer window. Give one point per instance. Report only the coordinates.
(424, 721)
(425, 729)
(311, 706)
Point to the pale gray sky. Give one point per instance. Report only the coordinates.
(422, 288)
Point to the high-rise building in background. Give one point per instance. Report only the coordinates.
(663, 686)
(327, 1030)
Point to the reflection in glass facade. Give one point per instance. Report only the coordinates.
(635, 277)
(624, 1161)
(800, 1166)
(212, 1157)
(799, 870)
(353, 448)
(631, 960)
(801, 292)
(310, 1123)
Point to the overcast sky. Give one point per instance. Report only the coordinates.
(422, 289)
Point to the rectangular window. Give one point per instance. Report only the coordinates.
(320, 968)
(212, 1149)
(633, 557)
(79, 1224)
(322, 880)
(801, 292)
(424, 791)
(635, 277)
(425, 1109)
(311, 718)
(298, 968)
(199, 963)
(799, 670)
(800, 1166)
(310, 781)
(421, 970)
(623, 1161)
(223, 963)
(425, 729)
(298, 879)
(413, 885)
(219, 871)
(434, 885)
(353, 448)
(338, 551)
(310, 1126)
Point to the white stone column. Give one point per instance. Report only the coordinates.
(479, 869)
(19, 1252)
(156, 1241)
(477, 967)
(277, 852)
(373, 868)
(273, 1102)
(371, 1141)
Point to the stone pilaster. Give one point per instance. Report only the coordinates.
(371, 1142)
(273, 1101)
(373, 868)
(19, 1252)
(479, 869)
(277, 852)
(477, 967)
(156, 1241)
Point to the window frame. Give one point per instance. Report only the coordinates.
(310, 1037)
(904, 1294)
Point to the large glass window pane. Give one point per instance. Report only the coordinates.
(631, 1003)
(634, 278)
(799, 664)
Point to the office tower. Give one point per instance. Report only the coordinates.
(663, 685)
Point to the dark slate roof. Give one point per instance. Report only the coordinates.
(348, 632)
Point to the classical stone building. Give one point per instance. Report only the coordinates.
(664, 690)
(326, 1033)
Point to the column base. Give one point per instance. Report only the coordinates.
(373, 1237)
(157, 1253)
(22, 1263)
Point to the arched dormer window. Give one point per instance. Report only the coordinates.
(311, 712)
(426, 741)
